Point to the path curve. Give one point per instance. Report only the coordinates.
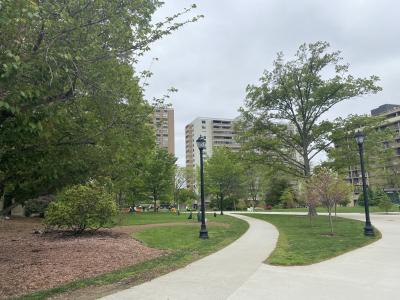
(216, 276)
(371, 272)
(237, 272)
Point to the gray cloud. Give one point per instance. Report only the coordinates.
(212, 61)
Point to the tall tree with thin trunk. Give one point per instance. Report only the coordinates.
(282, 117)
(223, 176)
(159, 175)
(182, 175)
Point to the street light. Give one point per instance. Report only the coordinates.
(368, 230)
(220, 199)
(201, 144)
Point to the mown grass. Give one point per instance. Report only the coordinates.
(186, 238)
(300, 243)
(183, 244)
(355, 209)
(152, 218)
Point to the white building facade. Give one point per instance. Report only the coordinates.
(216, 131)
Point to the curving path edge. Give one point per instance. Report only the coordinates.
(238, 271)
(216, 276)
(369, 273)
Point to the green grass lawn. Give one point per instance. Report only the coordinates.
(300, 243)
(182, 242)
(186, 238)
(355, 209)
(152, 218)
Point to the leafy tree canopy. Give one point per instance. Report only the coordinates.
(71, 107)
(282, 116)
(223, 175)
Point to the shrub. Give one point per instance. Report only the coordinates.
(241, 205)
(276, 187)
(288, 199)
(81, 207)
(373, 197)
(37, 205)
(384, 202)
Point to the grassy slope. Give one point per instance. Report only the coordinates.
(302, 244)
(182, 241)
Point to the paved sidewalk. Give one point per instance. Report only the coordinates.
(237, 271)
(216, 276)
(371, 272)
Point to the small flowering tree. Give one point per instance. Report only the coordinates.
(310, 197)
(329, 189)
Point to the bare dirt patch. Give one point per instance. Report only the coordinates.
(31, 262)
(98, 291)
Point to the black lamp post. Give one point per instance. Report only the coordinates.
(368, 230)
(201, 144)
(221, 198)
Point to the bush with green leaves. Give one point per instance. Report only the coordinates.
(37, 205)
(372, 197)
(384, 202)
(288, 199)
(81, 207)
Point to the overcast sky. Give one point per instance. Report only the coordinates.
(212, 61)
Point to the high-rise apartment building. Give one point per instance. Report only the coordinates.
(390, 181)
(216, 131)
(163, 120)
(391, 114)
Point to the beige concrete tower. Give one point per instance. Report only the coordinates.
(216, 131)
(165, 130)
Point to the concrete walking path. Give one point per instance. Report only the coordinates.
(371, 272)
(238, 271)
(216, 276)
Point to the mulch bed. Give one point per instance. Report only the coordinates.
(31, 261)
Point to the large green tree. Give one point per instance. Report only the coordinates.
(158, 176)
(223, 176)
(256, 176)
(283, 116)
(71, 107)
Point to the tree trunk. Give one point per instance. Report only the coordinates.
(7, 211)
(2, 198)
(119, 198)
(312, 211)
(330, 220)
(155, 200)
(220, 204)
(8, 204)
(176, 199)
